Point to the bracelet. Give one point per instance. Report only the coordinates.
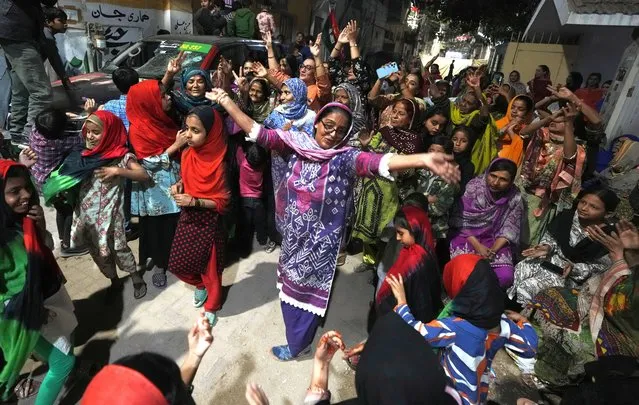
(271, 56)
(198, 203)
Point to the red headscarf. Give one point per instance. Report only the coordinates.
(457, 271)
(113, 141)
(411, 257)
(151, 131)
(116, 384)
(203, 167)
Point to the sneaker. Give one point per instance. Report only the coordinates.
(211, 317)
(364, 267)
(199, 297)
(270, 247)
(20, 141)
(73, 252)
(283, 353)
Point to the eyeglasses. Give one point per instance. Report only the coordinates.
(307, 67)
(331, 127)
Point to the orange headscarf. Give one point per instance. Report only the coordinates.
(512, 146)
(151, 131)
(457, 271)
(203, 171)
(116, 384)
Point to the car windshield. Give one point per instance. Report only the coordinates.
(150, 58)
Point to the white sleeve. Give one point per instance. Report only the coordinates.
(384, 170)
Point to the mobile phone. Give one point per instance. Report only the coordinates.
(387, 70)
(553, 268)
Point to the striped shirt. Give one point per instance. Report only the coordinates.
(467, 351)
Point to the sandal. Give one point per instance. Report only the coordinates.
(199, 297)
(139, 290)
(341, 259)
(159, 277)
(26, 388)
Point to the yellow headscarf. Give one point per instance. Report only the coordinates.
(485, 148)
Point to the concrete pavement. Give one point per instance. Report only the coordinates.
(250, 323)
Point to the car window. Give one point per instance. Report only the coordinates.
(165, 51)
(235, 53)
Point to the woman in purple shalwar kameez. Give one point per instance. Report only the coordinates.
(311, 208)
(489, 220)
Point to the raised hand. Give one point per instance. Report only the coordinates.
(561, 92)
(628, 235)
(352, 32)
(343, 36)
(570, 111)
(255, 395)
(442, 165)
(328, 345)
(259, 70)
(268, 39)
(473, 79)
(397, 285)
(200, 337)
(90, 106)
(175, 64)
(317, 46)
(216, 95)
(611, 241)
(241, 82)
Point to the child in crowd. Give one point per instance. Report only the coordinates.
(472, 328)
(36, 312)
(265, 20)
(417, 265)
(123, 78)
(51, 145)
(463, 139)
(95, 178)
(440, 194)
(243, 23)
(55, 23)
(197, 252)
(252, 160)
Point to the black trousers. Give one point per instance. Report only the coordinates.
(253, 221)
(63, 221)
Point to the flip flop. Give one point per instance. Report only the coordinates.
(159, 277)
(26, 388)
(139, 290)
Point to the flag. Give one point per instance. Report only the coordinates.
(330, 31)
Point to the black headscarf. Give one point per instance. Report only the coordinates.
(585, 251)
(473, 285)
(398, 367)
(205, 114)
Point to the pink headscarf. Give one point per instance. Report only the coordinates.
(308, 148)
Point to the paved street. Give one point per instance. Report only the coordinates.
(250, 323)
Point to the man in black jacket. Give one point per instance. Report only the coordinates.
(21, 23)
(209, 19)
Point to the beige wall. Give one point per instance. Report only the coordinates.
(526, 57)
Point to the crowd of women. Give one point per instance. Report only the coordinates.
(492, 195)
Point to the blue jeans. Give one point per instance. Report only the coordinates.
(30, 91)
(5, 89)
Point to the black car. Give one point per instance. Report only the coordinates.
(150, 57)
